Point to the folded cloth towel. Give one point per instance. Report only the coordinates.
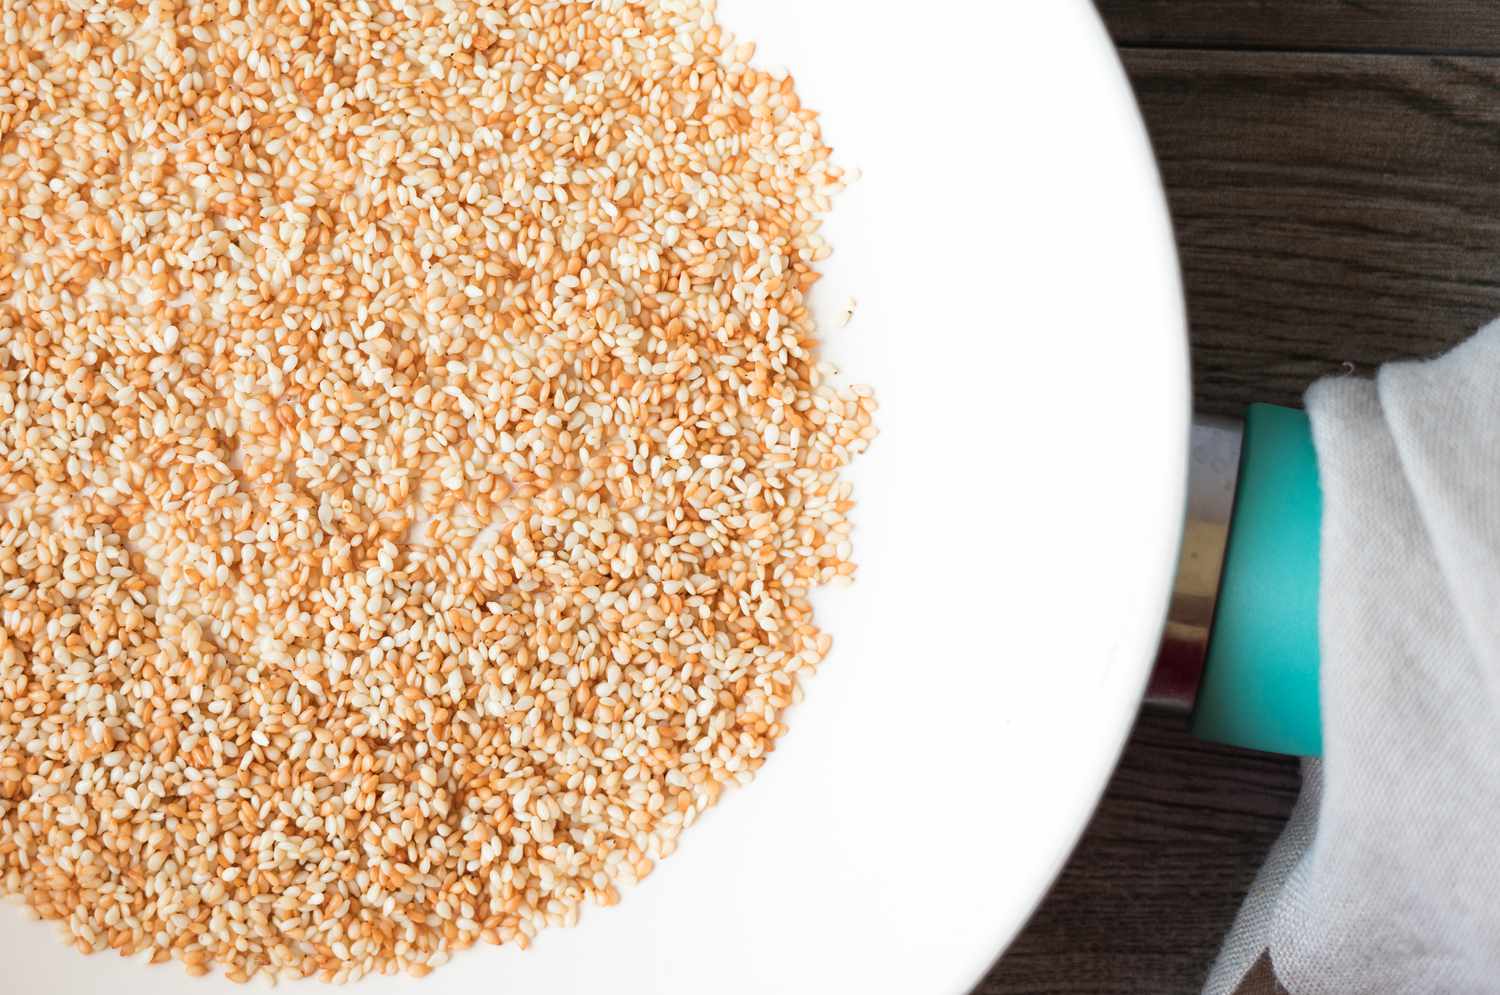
(1387, 878)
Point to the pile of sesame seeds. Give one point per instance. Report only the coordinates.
(414, 463)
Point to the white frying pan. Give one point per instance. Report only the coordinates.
(1020, 317)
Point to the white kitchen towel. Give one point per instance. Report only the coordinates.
(1387, 880)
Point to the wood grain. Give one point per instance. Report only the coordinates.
(1409, 26)
(1145, 901)
(1330, 208)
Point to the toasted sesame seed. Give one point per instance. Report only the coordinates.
(414, 464)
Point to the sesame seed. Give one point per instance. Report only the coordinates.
(415, 462)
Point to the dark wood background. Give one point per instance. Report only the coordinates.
(1333, 168)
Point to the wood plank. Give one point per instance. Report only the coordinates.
(1446, 26)
(1143, 905)
(1330, 209)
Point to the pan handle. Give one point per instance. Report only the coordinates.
(1240, 649)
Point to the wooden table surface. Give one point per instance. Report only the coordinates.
(1333, 168)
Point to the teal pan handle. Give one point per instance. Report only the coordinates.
(1253, 680)
(1260, 681)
